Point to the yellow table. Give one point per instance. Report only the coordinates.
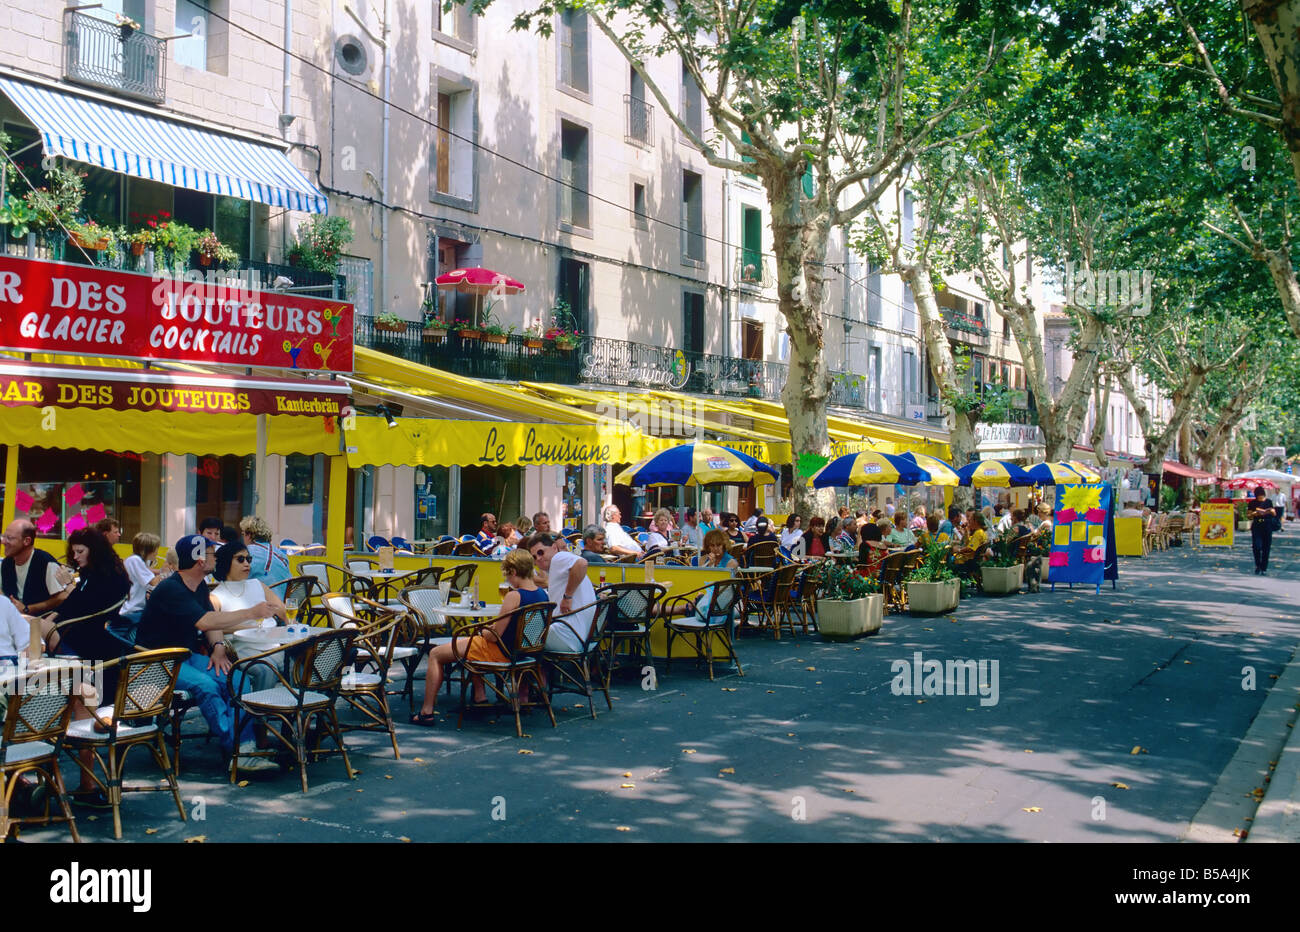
(1128, 537)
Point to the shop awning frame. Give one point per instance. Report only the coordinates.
(124, 140)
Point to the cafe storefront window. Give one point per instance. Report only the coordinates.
(431, 502)
(571, 497)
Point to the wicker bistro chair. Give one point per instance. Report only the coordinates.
(461, 575)
(36, 720)
(443, 548)
(468, 548)
(572, 671)
(892, 575)
(786, 599)
(428, 628)
(144, 696)
(385, 590)
(756, 599)
(305, 591)
(365, 689)
(335, 579)
(724, 599)
(627, 626)
(506, 677)
(809, 586)
(764, 553)
(305, 694)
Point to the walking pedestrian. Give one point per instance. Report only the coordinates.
(1261, 516)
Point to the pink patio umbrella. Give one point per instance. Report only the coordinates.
(479, 282)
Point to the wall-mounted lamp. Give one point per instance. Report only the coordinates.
(387, 415)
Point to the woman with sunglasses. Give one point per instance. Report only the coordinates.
(235, 591)
(735, 533)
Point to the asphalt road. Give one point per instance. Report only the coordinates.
(812, 744)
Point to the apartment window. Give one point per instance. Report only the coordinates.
(575, 161)
(574, 289)
(910, 380)
(873, 294)
(693, 321)
(909, 218)
(979, 312)
(977, 373)
(454, 166)
(640, 115)
(909, 310)
(571, 37)
(692, 103)
(692, 216)
(751, 340)
(751, 249)
(640, 207)
(874, 398)
(1006, 328)
(458, 23)
(204, 45)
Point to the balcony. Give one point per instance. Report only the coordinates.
(754, 270)
(964, 328)
(640, 122)
(112, 57)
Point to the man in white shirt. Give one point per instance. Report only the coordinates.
(692, 533)
(751, 523)
(565, 576)
(618, 541)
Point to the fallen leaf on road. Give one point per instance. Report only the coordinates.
(688, 750)
(1137, 749)
(1240, 832)
(771, 692)
(1032, 808)
(814, 670)
(1028, 751)
(789, 734)
(627, 786)
(850, 791)
(728, 689)
(196, 839)
(242, 783)
(151, 831)
(622, 828)
(388, 776)
(405, 839)
(1120, 786)
(927, 629)
(418, 760)
(727, 770)
(920, 701)
(628, 774)
(524, 751)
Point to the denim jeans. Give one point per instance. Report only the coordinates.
(211, 692)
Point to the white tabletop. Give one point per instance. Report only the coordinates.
(382, 574)
(263, 639)
(43, 666)
(465, 611)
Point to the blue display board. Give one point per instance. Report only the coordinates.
(1083, 536)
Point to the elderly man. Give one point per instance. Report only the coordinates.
(593, 544)
(269, 564)
(179, 613)
(541, 523)
(31, 578)
(618, 541)
(486, 538)
(692, 533)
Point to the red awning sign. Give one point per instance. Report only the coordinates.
(73, 309)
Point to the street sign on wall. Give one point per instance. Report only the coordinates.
(52, 307)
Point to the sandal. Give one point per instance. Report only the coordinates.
(425, 721)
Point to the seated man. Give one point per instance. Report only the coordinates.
(618, 541)
(593, 544)
(179, 613)
(33, 581)
(966, 560)
(486, 538)
(541, 523)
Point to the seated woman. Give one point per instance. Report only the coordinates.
(763, 532)
(235, 591)
(715, 553)
(485, 645)
(661, 531)
(901, 536)
(508, 538)
(735, 533)
(816, 541)
(792, 532)
(871, 552)
(966, 560)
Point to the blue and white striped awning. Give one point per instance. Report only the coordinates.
(133, 143)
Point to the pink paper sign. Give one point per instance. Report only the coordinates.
(96, 513)
(74, 494)
(1059, 558)
(45, 523)
(75, 523)
(23, 501)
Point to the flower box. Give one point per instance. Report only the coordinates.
(1002, 580)
(391, 328)
(533, 343)
(87, 242)
(932, 598)
(839, 620)
(494, 338)
(469, 334)
(434, 333)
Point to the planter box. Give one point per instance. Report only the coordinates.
(931, 598)
(838, 620)
(533, 344)
(391, 328)
(1003, 580)
(1043, 570)
(434, 333)
(469, 334)
(499, 338)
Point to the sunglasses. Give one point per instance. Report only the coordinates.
(244, 559)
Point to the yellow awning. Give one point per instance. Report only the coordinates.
(163, 432)
(437, 442)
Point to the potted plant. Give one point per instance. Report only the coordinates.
(561, 339)
(390, 322)
(434, 328)
(320, 243)
(126, 26)
(496, 333)
(465, 330)
(1002, 572)
(211, 249)
(18, 215)
(932, 587)
(533, 336)
(848, 605)
(89, 235)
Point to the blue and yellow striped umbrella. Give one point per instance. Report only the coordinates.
(1087, 472)
(697, 464)
(994, 473)
(869, 468)
(1057, 473)
(941, 474)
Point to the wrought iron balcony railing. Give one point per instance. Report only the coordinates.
(640, 121)
(114, 56)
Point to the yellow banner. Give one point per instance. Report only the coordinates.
(430, 442)
(780, 454)
(1216, 524)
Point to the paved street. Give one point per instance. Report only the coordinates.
(814, 730)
